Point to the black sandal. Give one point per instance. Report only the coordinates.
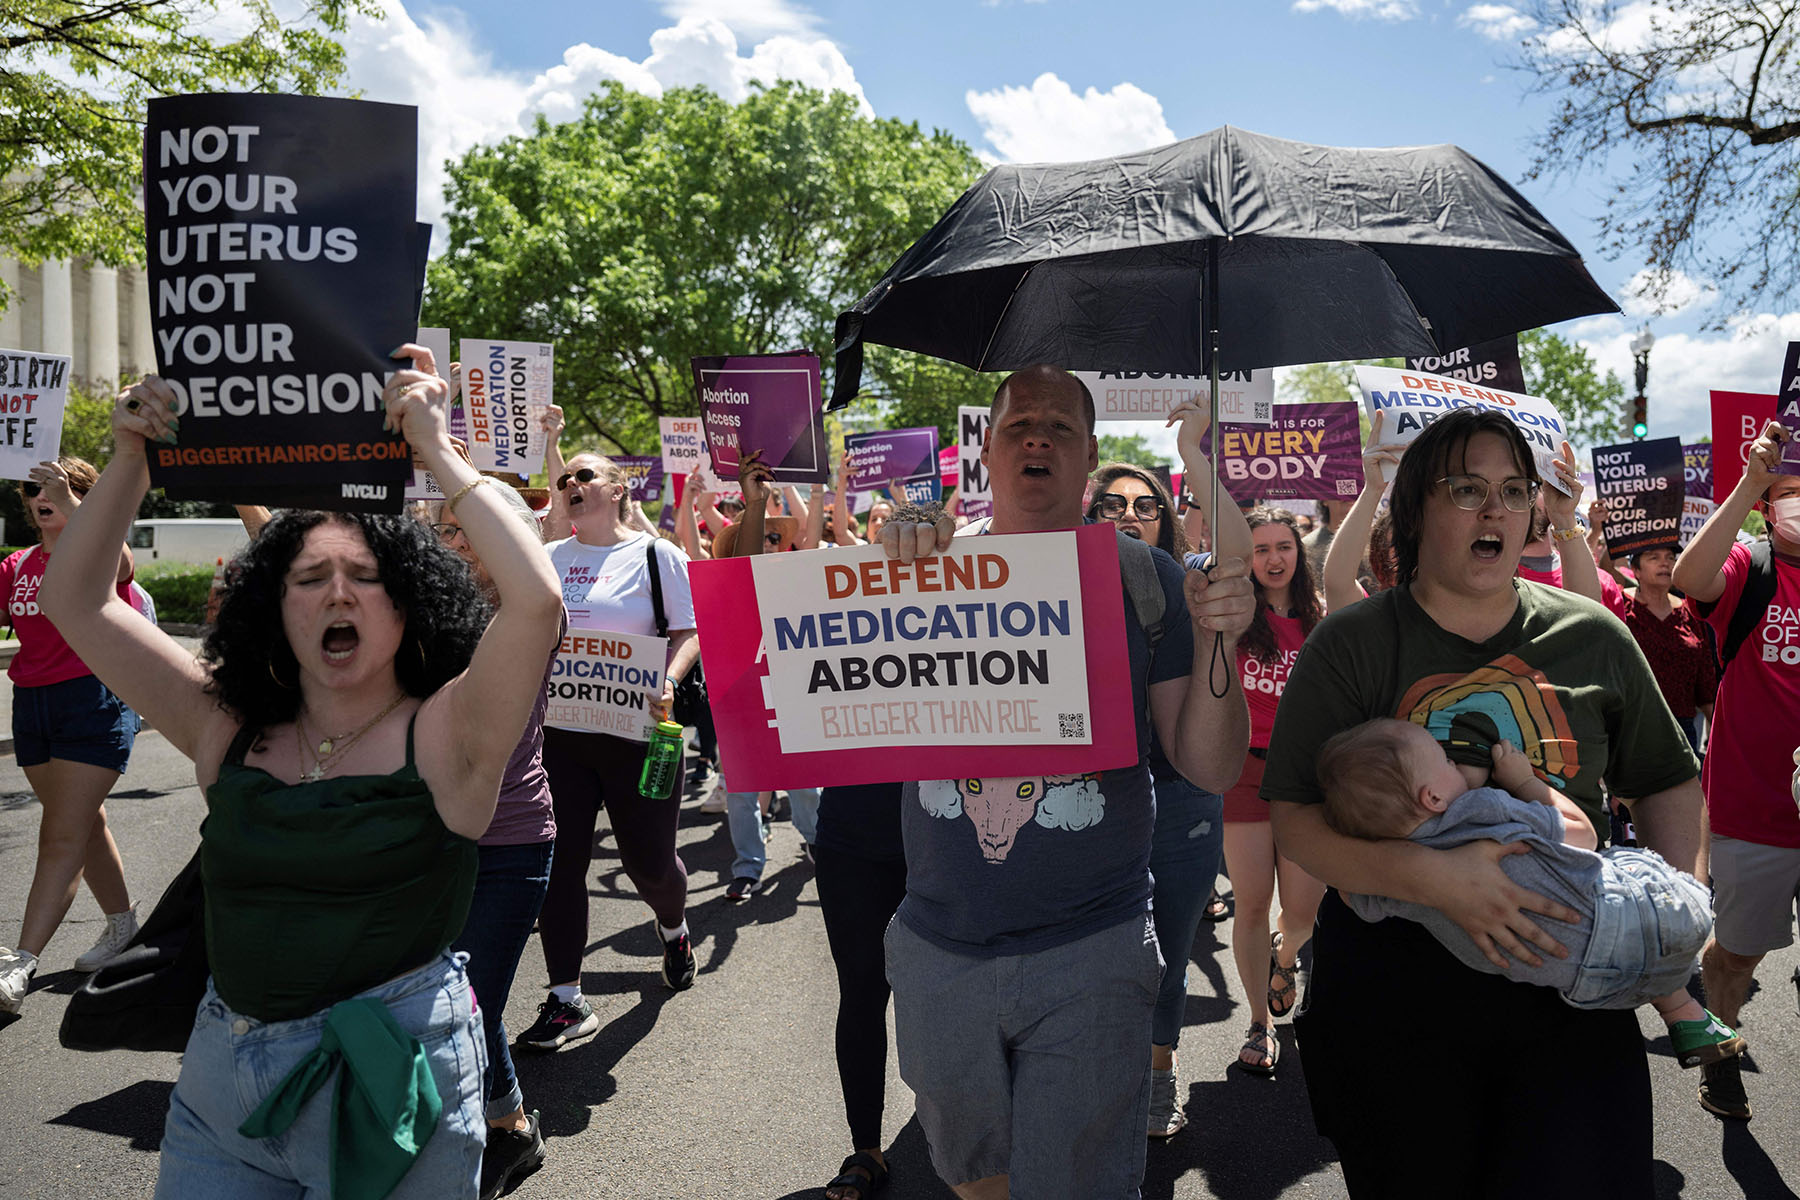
(1262, 1040)
(1281, 999)
(872, 1180)
(1216, 909)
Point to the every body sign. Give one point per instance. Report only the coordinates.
(1305, 452)
(282, 261)
(1245, 397)
(34, 389)
(1412, 400)
(1643, 487)
(506, 386)
(643, 476)
(604, 682)
(1003, 655)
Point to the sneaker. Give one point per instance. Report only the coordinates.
(678, 960)
(16, 969)
(1166, 1116)
(715, 800)
(742, 888)
(120, 929)
(1722, 1089)
(511, 1155)
(1700, 1042)
(559, 1023)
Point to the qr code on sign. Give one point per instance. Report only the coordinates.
(1346, 487)
(1071, 725)
(1263, 411)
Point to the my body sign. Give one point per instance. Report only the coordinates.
(1305, 452)
(977, 496)
(281, 245)
(767, 402)
(1412, 400)
(1643, 487)
(34, 389)
(604, 682)
(1003, 655)
(506, 386)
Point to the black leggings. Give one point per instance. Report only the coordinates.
(857, 897)
(1437, 1080)
(588, 771)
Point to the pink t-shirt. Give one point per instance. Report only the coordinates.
(1756, 721)
(1264, 682)
(43, 657)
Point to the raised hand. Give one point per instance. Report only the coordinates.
(145, 412)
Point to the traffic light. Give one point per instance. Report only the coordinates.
(1640, 419)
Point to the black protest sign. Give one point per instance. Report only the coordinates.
(1494, 364)
(1643, 486)
(284, 256)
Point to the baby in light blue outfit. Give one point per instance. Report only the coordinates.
(1643, 923)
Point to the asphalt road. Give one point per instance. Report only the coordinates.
(729, 1090)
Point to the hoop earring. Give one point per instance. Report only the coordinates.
(278, 683)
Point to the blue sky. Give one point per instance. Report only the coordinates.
(1057, 79)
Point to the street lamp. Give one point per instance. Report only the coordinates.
(1640, 351)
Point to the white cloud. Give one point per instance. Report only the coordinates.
(752, 18)
(1681, 292)
(1049, 122)
(1500, 22)
(1356, 10)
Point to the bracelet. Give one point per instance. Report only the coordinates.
(1566, 535)
(464, 490)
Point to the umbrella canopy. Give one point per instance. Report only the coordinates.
(1317, 253)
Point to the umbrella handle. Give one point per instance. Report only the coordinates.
(1218, 671)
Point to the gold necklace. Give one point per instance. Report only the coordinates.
(329, 749)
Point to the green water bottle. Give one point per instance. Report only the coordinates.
(662, 760)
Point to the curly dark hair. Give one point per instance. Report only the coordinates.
(1259, 640)
(254, 674)
(1174, 537)
(1439, 451)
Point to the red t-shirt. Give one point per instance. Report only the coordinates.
(1678, 649)
(1756, 723)
(43, 657)
(1264, 682)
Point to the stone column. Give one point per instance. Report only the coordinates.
(102, 367)
(12, 331)
(140, 339)
(58, 290)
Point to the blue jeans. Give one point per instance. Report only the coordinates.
(745, 819)
(1650, 923)
(1184, 864)
(233, 1062)
(509, 890)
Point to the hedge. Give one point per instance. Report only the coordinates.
(179, 589)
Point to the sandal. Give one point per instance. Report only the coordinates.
(863, 1172)
(1216, 909)
(1264, 1044)
(1281, 999)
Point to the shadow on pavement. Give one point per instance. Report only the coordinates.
(910, 1175)
(1751, 1165)
(134, 1112)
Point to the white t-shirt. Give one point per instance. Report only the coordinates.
(608, 587)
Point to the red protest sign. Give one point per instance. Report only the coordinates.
(1737, 420)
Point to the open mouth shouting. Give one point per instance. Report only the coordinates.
(340, 642)
(1488, 547)
(1035, 470)
(44, 510)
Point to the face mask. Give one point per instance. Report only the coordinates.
(1786, 514)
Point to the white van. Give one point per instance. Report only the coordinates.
(190, 540)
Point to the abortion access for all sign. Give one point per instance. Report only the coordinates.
(766, 402)
(1245, 397)
(891, 456)
(1305, 452)
(605, 682)
(506, 387)
(1002, 655)
(282, 260)
(1413, 399)
(34, 390)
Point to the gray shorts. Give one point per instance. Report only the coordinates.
(1755, 889)
(1032, 1065)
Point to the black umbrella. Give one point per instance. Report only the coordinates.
(1275, 252)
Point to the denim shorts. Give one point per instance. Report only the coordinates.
(233, 1062)
(1650, 924)
(77, 720)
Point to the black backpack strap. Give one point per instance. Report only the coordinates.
(662, 622)
(1753, 601)
(240, 745)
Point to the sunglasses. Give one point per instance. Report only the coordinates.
(585, 475)
(32, 489)
(1112, 506)
(774, 539)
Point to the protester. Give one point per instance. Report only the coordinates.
(1318, 543)
(1475, 655)
(606, 584)
(1353, 544)
(1754, 855)
(1186, 839)
(350, 724)
(513, 873)
(71, 736)
(1031, 1094)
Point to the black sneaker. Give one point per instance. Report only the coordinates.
(742, 888)
(678, 960)
(560, 1023)
(1722, 1089)
(510, 1156)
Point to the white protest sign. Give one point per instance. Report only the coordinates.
(1413, 399)
(423, 486)
(977, 496)
(506, 387)
(1245, 397)
(868, 651)
(34, 390)
(683, 444)
(1694, 513)
(604, 682)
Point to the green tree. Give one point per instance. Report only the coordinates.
(1131, 449)
(651, 230)
(1563, 373)
(74, 76)
(1316, 383)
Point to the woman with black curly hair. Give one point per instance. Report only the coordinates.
(349, 723)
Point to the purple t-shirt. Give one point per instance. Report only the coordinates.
(523, 814)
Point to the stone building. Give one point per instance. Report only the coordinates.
(99, 316)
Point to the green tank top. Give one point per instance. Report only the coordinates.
(318, 891)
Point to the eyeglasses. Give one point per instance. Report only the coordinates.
(446, 531)
(1112, 506)
(1470, 492)
(585, 475)
(32, 489)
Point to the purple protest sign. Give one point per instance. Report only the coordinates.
(1641, 484)
(1787, 409)
(1306, 452)
(1696, 459)
(1493, 364)
(767, 402)
(643, 474)
(891, 456)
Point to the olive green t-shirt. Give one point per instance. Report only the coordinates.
(1564, 681)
